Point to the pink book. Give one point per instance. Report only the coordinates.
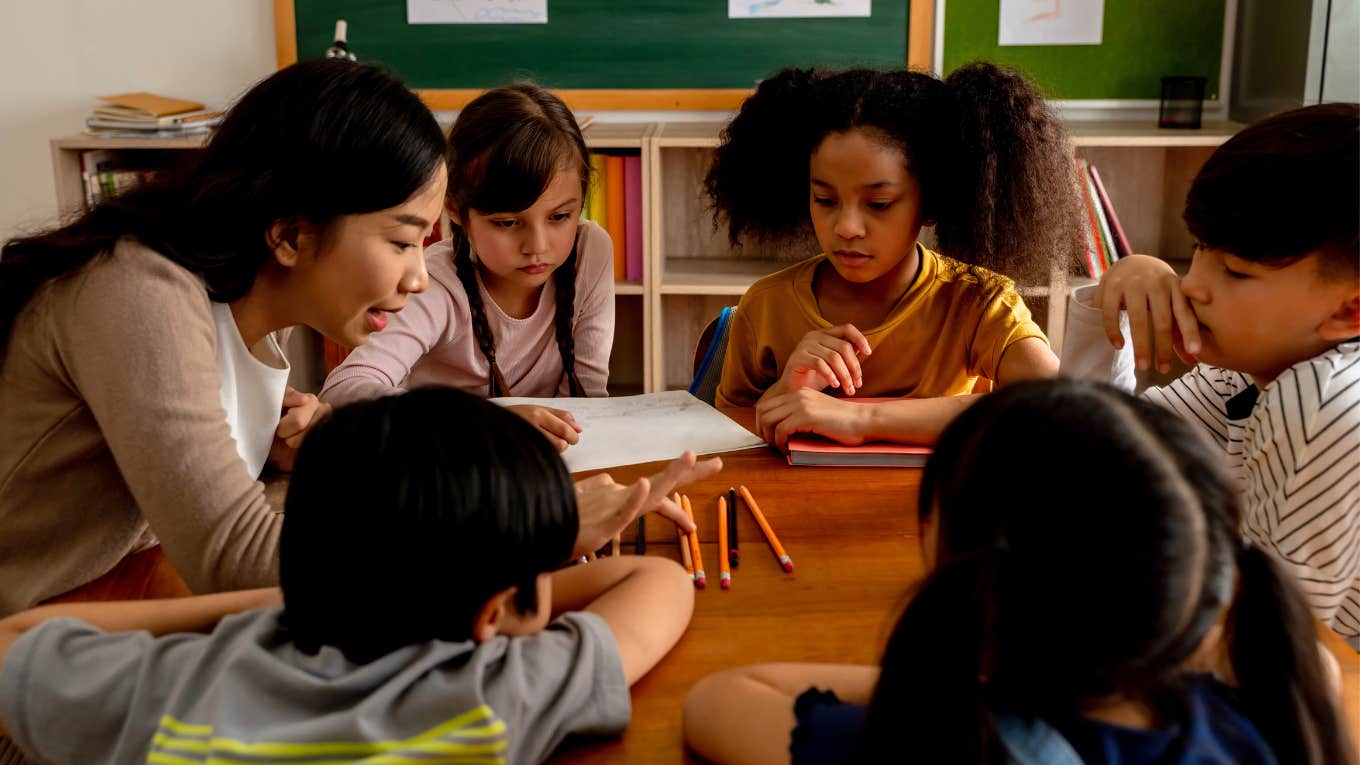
(812, 449)
(632, 200)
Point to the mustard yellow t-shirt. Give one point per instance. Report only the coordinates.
(950, 327)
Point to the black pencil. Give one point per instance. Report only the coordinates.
(640, 544)
(733, 553)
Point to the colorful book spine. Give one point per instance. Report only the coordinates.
(616, 221)
(1102, 224)
(632, 192)
(1099, 261)
(1121, 242)
(595, 197)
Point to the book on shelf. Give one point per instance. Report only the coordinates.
(103, 177)
(1098, 254)
(616, 221)
(1121, 242)
(147, 107)
(146, 115)
(632, 192)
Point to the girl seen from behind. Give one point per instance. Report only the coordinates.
(521, 300)
(869, 158)
(1062, 630)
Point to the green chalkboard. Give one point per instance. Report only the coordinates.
(1142, 41)
(604, 44)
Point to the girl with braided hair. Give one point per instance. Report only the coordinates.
(521, 296)
(865, 159)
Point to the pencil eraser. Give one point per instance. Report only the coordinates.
(700, 580)
(787, 563)
(726, 580)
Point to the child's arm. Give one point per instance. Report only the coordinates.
(1150, 291)
(557, 425)
(911, 421)
(745, 715)
(646, 602)
(379, 366)
(301, 412)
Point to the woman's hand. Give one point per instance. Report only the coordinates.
(1150, 290)
(826, 358)
(607, 507)
(557, 424)
(300, 412)
(805, 410)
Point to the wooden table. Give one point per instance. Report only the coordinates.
(854, 540)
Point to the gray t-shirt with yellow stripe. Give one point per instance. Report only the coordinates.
(70, 693)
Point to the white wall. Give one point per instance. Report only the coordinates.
(57, 55)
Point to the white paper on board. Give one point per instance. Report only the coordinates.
(627, 430)
(476, 11)
(1051, 22)
(789, 9)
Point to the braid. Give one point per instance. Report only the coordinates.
(481, 328)
(564, 279)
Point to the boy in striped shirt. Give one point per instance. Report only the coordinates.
(1270, 314)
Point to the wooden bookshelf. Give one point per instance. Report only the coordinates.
(690, 270)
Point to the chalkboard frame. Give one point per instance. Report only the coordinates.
(920, 31)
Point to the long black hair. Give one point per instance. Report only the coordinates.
(407, 513)
(1102, 590)
(1284, 187)
(312, 142)
(990, 155)
(503, 151)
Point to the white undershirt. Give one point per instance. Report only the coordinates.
(251, 388)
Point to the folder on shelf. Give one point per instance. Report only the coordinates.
(632, 193)
(615, 216)
(145, 107)
(595, 204)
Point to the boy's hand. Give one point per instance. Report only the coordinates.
(809, 411)
(607, 507)
(557, 424)
(826, 358)
(300, 412)
(1150, 291)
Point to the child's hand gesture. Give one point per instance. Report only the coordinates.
(826, 357)
(606, 507)
(805, 410)
(1148, 287)
(300, 412)
(557, 424)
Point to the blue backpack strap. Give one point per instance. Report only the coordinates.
(716, 346)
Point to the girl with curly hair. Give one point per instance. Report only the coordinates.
(869, 159)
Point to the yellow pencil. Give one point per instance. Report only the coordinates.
(784, 559)
(724, 573)
(700, 580)
(684, 541)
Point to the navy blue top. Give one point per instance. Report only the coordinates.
(1203, 727)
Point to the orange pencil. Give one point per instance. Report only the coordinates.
(700, 580)
(684, 542)
(784, 559)
(614, 546)
(724, 573)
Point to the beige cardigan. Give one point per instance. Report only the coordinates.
(113, 436)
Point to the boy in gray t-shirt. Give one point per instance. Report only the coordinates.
(419, 617)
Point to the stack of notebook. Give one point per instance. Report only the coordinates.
(148, 115)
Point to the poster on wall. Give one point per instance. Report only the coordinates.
(1051, 22)
(792, 9)
(476, 11)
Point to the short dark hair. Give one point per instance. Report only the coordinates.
(405, 514)
(1283, 188)
(1104, 585)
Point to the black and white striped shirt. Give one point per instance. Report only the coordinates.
(1294, 448)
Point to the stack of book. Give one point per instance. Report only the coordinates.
(1105, 241)
(146, 115)
(615, 203)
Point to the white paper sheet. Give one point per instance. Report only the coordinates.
(785, 9)
(1051, 22)
(627, 430)
(476, 11)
